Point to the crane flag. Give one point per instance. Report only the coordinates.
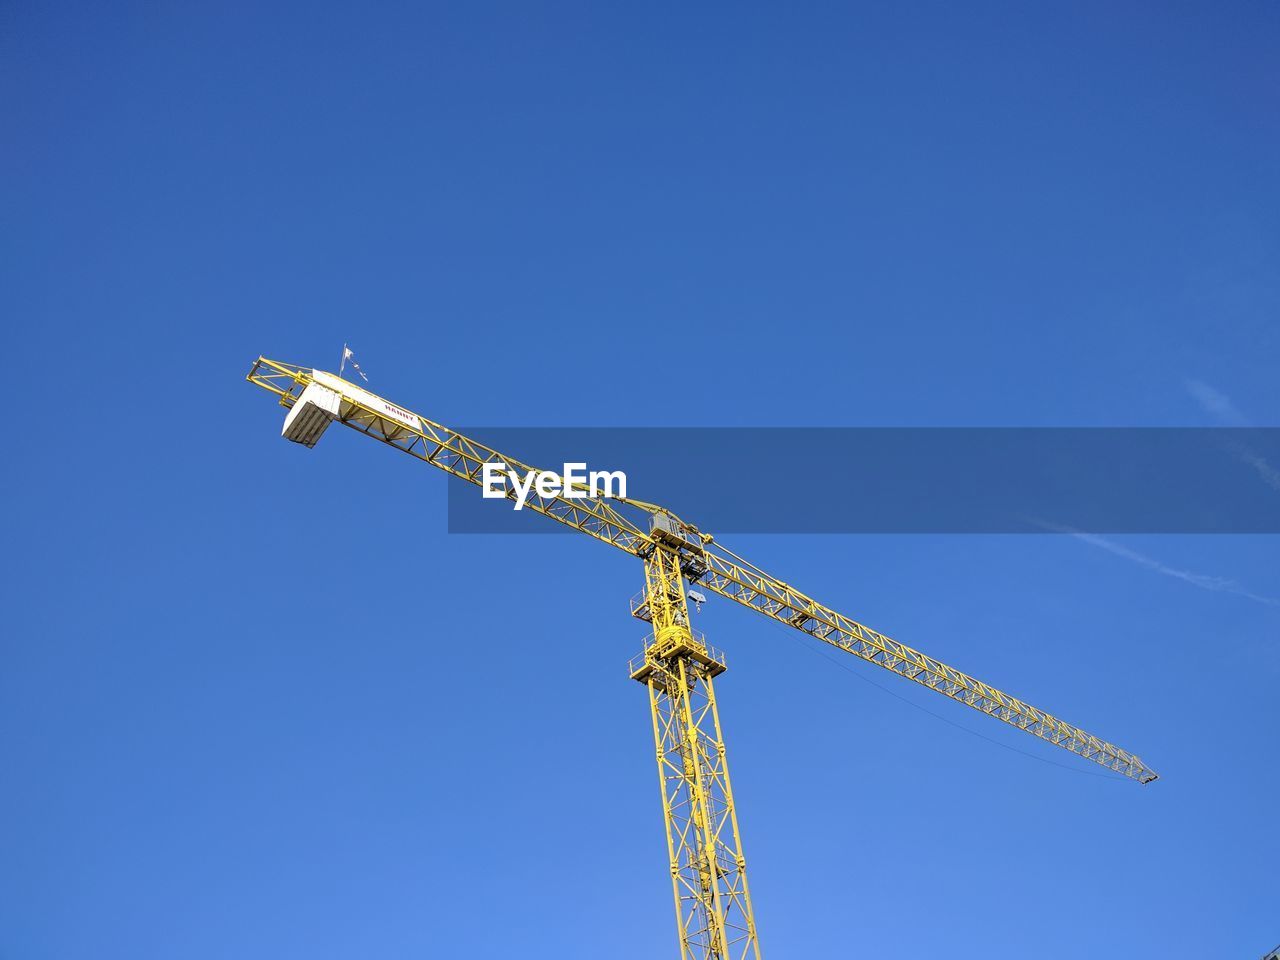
(348, 355)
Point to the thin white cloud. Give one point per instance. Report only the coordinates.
(1201, 580)
(1216, 403)
(1269, 474)
(1219, 405)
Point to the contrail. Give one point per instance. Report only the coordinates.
(1201, 580)
(1216, 403)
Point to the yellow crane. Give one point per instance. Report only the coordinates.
(708, 870)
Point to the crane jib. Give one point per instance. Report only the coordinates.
(318, 398)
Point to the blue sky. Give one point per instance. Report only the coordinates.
(256, 703)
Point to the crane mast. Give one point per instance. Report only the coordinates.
(708, 869)
(677, 666)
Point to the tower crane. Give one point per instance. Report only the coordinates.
(714, 916)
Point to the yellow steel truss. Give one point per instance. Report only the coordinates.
(713, 908)
(708, 869)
